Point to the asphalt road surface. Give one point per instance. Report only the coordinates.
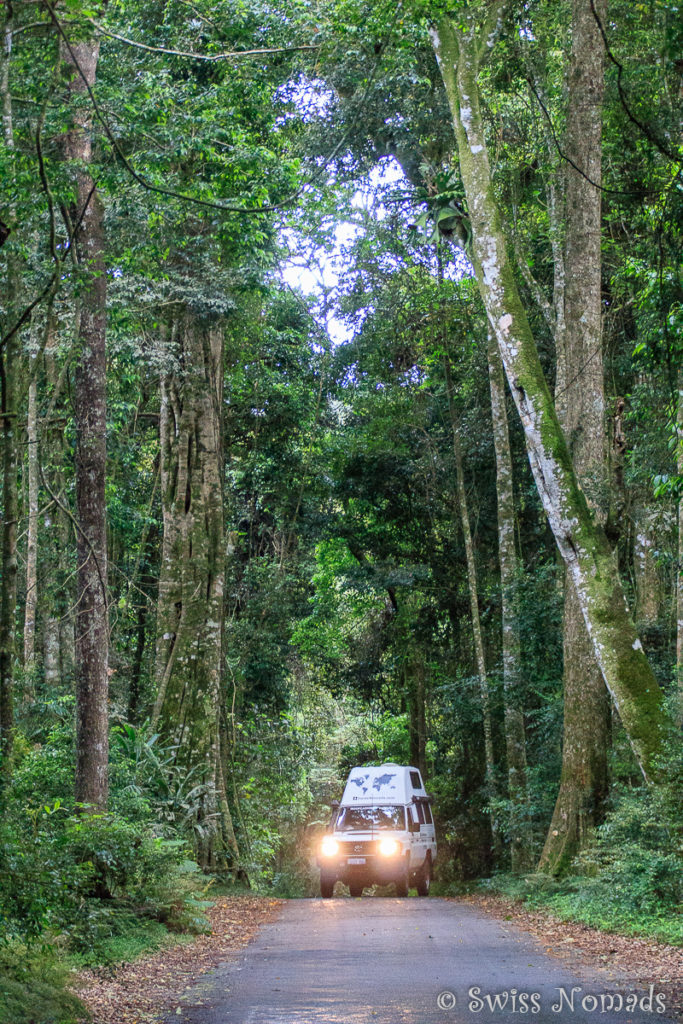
(403, 961)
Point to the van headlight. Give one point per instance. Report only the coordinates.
(329, 846)
(389, 847)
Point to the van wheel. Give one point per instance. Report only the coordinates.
(327, 885)
(403, 883)
(356, 890)
(424, 877)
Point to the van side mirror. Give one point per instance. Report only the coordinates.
(334, 804)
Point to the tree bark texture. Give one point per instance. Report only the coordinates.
(89, 403)
(51, 653)
(580, 402)
(580, 540)
(515, 740)
(190, 604)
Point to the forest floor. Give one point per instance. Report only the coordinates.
(150, 987)
(639, 961)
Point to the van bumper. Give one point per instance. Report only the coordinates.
(375, 870)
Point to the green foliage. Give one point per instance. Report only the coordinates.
(91, 877)
(629, 878)
(34, 987)
(148, 781)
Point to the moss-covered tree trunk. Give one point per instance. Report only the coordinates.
(89, 405)
(515, 740)
(580, 403)
(580, 540)
(190, 605)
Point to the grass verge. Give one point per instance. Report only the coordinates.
(588, 901)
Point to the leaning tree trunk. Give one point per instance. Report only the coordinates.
(580, 402)
(580, 540)
(89, 404)
(515, 740)
(10, 357)
(190, 605)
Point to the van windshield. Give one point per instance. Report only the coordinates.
(362, 819)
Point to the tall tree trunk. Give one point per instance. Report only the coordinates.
(9, 388)
(190, 605)
(8, 586)
(477, 637)
(136, 667)
(580, 401)
(515, 740)
(679, 567)
(645, 571)
(580, 540)
(32, 541)
(145, 591)
(58, 602)
(89, 402)
(417, 727)
(51, 652)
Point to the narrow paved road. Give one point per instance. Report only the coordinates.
(386, 961)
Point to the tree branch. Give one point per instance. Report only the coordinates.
(206, 203)
(668, 153)
(212, 57)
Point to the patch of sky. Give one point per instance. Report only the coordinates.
(320, 264)
(308, 99)
(320, 271)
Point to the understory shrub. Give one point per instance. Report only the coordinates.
(33, 987)
(90, 877)
(629, 878)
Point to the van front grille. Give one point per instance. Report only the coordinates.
(362, 847)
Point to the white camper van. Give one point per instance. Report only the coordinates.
(381, 832)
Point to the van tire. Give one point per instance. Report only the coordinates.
(356, 890)
(327, 885)
(403, 882)
(424, 877)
